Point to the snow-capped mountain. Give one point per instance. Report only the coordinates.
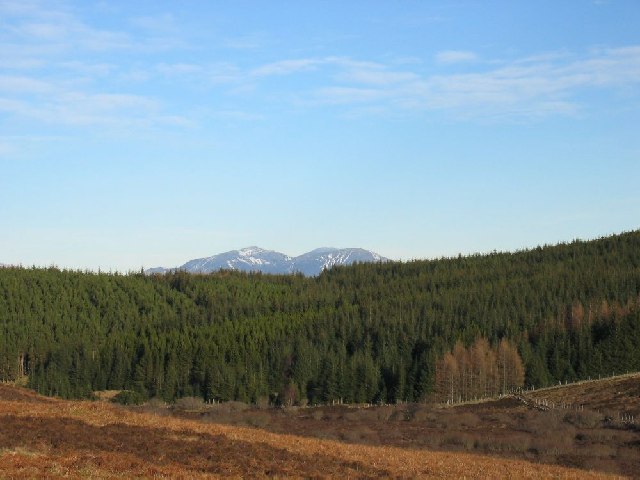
(248, 259)
(315, 261)
(255, 259)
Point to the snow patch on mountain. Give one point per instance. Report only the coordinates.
(256, 259)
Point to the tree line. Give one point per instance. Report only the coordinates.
(381, 332)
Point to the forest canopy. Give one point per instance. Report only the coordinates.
(381, 332)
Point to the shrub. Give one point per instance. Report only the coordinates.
(189, 403)
(423, 414)
(554, 444)
(584, 419)
(455, 421)
(128, 397)
(467, 419)
(228, 407)
(234, 406)
(218, 416)
(384, 413)
(542, 423)
(156, 402)
(358, 434)
(464, 440)
(361, 415)
(292, 411)
(400, 415)
(258, 419)
(514, 444)
(263, 402)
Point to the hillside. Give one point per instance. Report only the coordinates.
(453, 329)
(44, 437)
(598, 434)
(617, 396)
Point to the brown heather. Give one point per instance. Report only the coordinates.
(50, 438)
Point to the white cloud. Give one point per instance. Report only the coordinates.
(246, 42)
(43, 31)
(178, 68)
(287, 67)
(80, 108)
(44, 28)
(239, 115)
(93, 109)
(6, 149)
(455, 56)
(15, 107)
(353, 71)
(54, 70)
(349, 95)
(21, 84)
(549, 84)
(379, 77)
(162, 23)
(223, 73)
(89, 69)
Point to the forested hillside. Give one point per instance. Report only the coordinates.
(363, 333)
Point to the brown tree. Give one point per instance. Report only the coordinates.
(478, 371)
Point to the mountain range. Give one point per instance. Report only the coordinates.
(256, 259)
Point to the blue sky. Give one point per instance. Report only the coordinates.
(152, 132)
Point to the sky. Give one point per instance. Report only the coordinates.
(148, 133)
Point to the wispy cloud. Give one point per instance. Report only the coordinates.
(350, 95)
(238, 115)
(179, 69)
(6, 149)
(56, 66)
(76, 108)
(51, 72)
(250, 41)
(162, 23)
(43, 27)
(287, 67)
(371, 73)
(455, 56)
(549, 84)
(344, 69)
(11, 84)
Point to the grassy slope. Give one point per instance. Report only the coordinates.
(42, 437)
(619, 394)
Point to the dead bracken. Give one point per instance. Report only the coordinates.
(41, 437)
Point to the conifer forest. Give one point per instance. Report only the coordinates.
(447, 330)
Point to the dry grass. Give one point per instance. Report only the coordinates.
(45, 438)
(618, 394)
(504, 428)
(106, 395)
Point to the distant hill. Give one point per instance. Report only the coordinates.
(256, 259)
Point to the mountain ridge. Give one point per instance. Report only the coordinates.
(257, 259)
